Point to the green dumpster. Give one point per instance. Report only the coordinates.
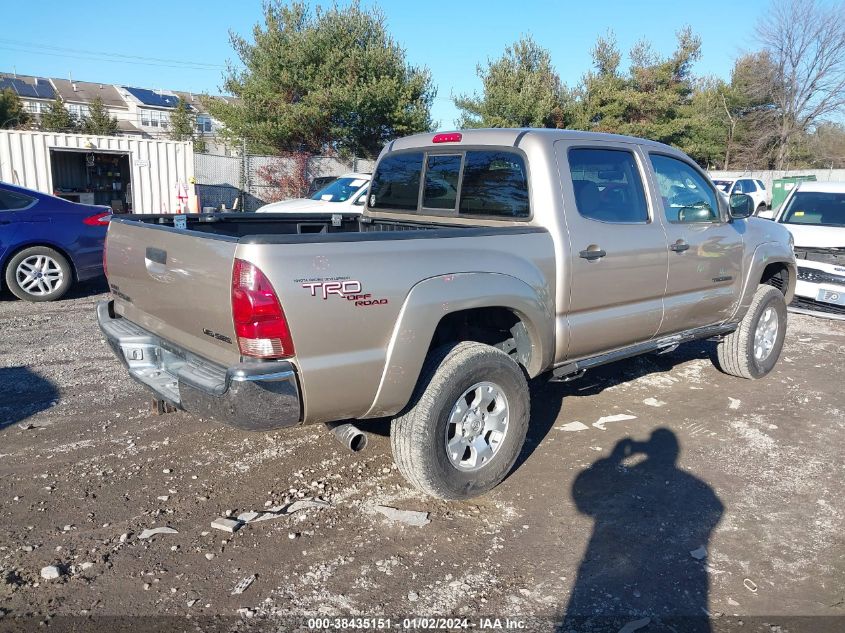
(782, 186)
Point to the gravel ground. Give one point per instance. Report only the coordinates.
(657, 494)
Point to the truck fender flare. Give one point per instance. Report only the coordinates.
(430, 300)
(765, 254)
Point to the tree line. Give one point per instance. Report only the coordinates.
(333, 80)
(782, 107)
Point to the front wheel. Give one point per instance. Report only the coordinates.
(752, 350)
(39, 273)
(466, 423)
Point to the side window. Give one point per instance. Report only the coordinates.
(748, 186)
(396, 183)
(737, 188)
(760, 185)
(11, 200)
(687, 197)
(607, 185)
(442, 172)
(494, 183)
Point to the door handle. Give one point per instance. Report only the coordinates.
(679, 247)
(592, 252)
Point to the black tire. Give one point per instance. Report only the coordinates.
(760, 208)
(21, 293)
(735, 353)
(418, 435)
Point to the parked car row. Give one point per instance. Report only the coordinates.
(47, 244)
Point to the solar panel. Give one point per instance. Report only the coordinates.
(152, 98)
(41, 89)
(44, 89)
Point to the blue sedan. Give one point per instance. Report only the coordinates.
(47, 244)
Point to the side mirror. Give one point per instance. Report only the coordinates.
(742, 206)
(698, 213)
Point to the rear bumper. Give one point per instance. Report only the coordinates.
(252, 396)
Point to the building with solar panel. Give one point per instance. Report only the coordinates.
(36, 93)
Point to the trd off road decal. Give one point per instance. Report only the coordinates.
(349, 289)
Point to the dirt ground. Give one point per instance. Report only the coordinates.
(653, 495)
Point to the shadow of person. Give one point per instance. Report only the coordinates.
(645, 563)
(23, 393)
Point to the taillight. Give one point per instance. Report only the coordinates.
(260, 323)
(447, 137)
(99, 219)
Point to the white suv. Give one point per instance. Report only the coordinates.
(750, 187)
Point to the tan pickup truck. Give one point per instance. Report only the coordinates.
(483, 259)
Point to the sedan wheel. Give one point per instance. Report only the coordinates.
(39, 273)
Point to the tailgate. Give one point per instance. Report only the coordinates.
(175, 284)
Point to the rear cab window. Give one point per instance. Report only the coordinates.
(476, 183)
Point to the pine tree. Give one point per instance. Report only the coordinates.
(182, 122)
(57, 118)
(521, 89)
(12, 113)
(322, 79)
(98, 121)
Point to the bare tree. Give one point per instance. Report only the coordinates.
(806, 42)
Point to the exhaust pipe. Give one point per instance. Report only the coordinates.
(352, 438)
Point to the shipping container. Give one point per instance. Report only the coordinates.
(129, 174)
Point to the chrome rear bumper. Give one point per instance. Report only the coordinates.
(253, 396)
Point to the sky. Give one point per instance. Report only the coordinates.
(184, 44)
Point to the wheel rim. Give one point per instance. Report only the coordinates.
(478, 424)
(39, 275)
(766, 334)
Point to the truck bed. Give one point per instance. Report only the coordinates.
(247, 227)
(351, 288)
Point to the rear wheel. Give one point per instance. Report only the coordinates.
(752, 350)
(465, 425)
(39, 273)
(760, 208)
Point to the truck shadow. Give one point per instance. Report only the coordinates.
(548, 398)
(646, 561)
(24, 394)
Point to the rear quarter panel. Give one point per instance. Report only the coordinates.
(342, 345)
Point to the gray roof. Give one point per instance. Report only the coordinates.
(86, 92)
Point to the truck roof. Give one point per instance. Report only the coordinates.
(515, 136)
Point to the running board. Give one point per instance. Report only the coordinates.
(576, 369)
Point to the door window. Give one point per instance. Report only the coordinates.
(607, 185)
(11, 200)
(748, 186)
(686, 195)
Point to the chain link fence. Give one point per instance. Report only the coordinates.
(240, 182)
